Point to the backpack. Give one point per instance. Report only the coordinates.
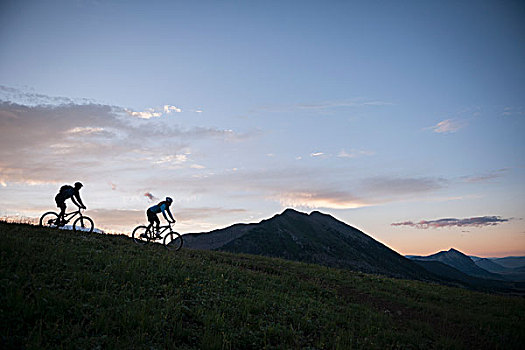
(64, 189)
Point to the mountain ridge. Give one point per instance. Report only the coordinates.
(461, 262)
(314, 238)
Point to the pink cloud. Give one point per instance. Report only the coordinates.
(447, 126)
(150, 196)
(479, 221)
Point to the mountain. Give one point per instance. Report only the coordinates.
(511, 274)
(315, 238)
(461, 262)
(472, 271)
(512, 262)
(491, 266)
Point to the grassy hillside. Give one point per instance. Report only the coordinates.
(59, 289)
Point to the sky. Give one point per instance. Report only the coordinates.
(404, 119)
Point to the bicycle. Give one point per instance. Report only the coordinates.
(143, 235)
(81, 223)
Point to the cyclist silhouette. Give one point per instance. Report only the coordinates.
(163, 207)
(65, 193)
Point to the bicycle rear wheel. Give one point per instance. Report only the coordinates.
(173, 241)
(141, 235)
(49, 219)
(83, 224)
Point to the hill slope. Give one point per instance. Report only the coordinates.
(61, 289)
(315, 238)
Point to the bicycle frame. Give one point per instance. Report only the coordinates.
(162, 230)
(71, 215)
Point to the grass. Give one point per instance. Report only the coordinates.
(66, 290)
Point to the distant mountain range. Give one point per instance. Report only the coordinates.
(459, 261)
(321, 239)
(510, 262)
(487, 268)
(474, 272)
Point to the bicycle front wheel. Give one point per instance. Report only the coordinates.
(83, 224)
(141, 235)
(49, 219)
(173, 241)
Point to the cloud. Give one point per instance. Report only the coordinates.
(311, 187)
(49, 144)
(187, 214)
(485, 177)
(117, 219)
(329, 199)
(85, 131)
(29, 98)
(340, 104)
(396, 186)
(448, 126)
(368, 192)
(54, 143)
(153, 113)
(168, 109)
(325, 106)
(197, 166)
(150, 196)
(147, 114)
(342, 154)
(479, 221)
(354, 153)
(174, 159)
(513, 111)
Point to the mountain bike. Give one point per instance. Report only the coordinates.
(81, 223)
(145, 234)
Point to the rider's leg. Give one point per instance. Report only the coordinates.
(153, 220)
(62, 205)
(148, 229)
(157, 222)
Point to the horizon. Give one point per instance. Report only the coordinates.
(405, 122)
(34, 220)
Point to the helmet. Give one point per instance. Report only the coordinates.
(78, 185)
(169, 200)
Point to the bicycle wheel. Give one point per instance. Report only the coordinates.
(141, 235)
(173, 241)
(49, 219)
(83, 224)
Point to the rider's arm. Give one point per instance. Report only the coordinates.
(77, 196)
(75, 202)
(171, 216)
(167, 209)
